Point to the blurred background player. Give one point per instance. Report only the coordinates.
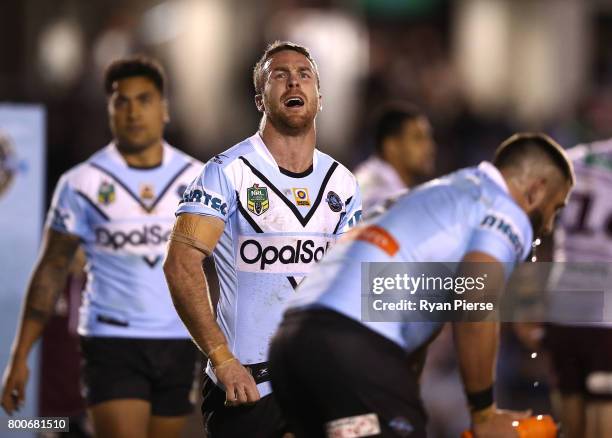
(524, 188)
(581, 354)
(404, 154)
(268, 209)
(119, 205)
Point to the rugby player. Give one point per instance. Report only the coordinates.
(268, 208)
(336, 375)
(404, 154)
(581, 354)
(139, 362)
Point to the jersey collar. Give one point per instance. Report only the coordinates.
(494, 174)
(118, 158)
(264, 152)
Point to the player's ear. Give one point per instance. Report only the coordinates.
(259, 103)
(536, 192)
(166, 112)
(320, 102)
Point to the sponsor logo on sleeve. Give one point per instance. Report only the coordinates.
(334, 201)
(377, 236)
(301, 196)
(106, 193)
(218, 158)
(180, 191)
(257, 199)
(60, 219)
(207, 198)
(504, 226)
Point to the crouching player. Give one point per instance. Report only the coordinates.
(335, 375)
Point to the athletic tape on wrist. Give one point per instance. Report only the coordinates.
(220, 355)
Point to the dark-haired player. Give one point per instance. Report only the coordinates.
(119, 205)
(404, 154)
(337, 375)
(268, 209)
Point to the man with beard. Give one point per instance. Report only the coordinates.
(268, 209)
(367, 380)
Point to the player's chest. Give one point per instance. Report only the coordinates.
(290, 205)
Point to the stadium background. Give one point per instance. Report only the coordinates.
(481, 69)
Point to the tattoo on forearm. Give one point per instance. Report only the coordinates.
(37, 314)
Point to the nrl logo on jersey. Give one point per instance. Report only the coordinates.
(106, 193)
(257, 199)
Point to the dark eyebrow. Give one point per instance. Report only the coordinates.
(138, 96)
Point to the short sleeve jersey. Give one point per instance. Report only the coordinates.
(278, 224)
(124, 216)
(440, 221)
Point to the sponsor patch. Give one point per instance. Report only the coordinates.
(378, 236)
(504, 226)
(301, 196)
(282, 254)
(207, 198)
(257, 199)
(353, 427)
(180, 191)
(147, 192)
(106, 193)
(334, 201)
(137, 240)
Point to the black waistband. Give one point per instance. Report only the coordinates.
(259, 371)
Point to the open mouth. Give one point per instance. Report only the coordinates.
(293, 102)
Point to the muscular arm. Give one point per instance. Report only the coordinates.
(46, 283)
(193, 238)
(476, 342)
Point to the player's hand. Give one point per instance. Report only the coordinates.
(14, 383)
(497, 423)
(240, 387)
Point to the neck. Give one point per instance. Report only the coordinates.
(406, 177)
(291, 152)
(516, 191)
(150, 156)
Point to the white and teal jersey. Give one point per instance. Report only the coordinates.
(124, 216)
(440, 221)
(277, 225)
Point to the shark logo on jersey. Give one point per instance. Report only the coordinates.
(504, 226)
(106, 193)
(334, 201)
(257, 199)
